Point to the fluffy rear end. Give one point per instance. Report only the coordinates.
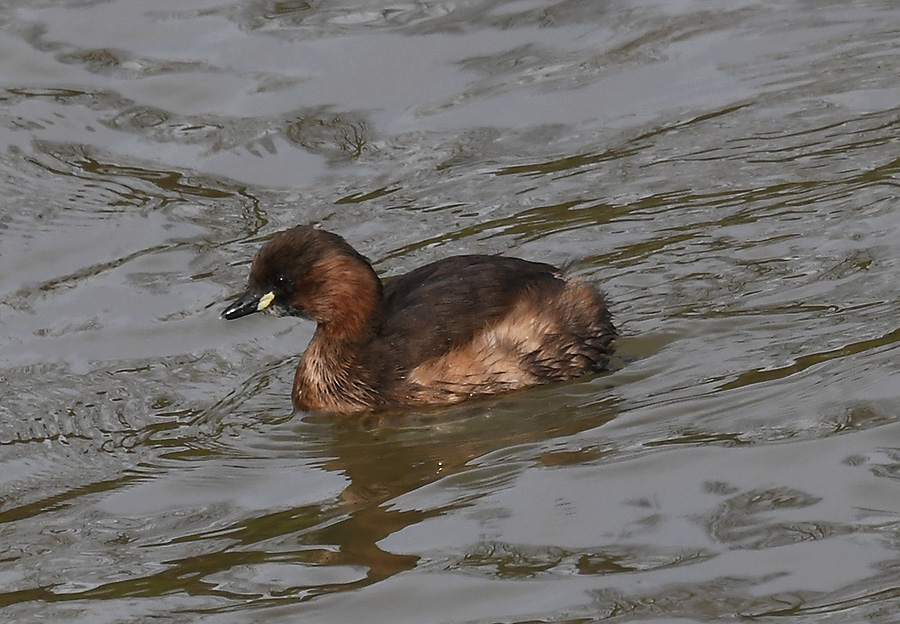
(553, 332)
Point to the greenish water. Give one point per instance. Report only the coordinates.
(727, 172)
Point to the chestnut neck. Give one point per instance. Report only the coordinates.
(345, 298)
(347, 309)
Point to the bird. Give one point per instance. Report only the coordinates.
(460, 327)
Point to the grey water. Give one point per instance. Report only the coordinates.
(727, 172)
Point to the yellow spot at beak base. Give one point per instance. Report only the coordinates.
(264, 301)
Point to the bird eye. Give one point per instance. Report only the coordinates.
(281, 281)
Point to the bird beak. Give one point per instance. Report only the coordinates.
(248, 303)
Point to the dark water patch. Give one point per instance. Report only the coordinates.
(807, 361)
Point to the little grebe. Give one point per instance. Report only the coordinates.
(452, 329)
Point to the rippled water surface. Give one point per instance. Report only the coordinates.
(727, 171)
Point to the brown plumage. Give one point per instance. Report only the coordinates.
(459, 327)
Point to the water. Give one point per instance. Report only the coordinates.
(727, 172)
